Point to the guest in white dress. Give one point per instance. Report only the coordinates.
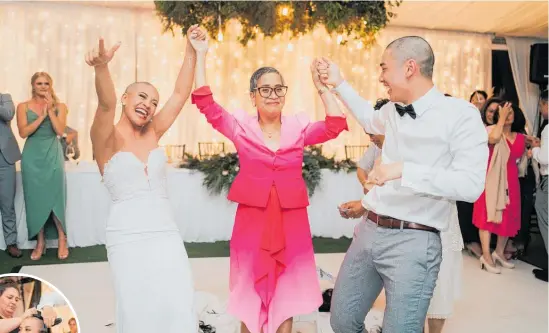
(143, 241)
(448, 286)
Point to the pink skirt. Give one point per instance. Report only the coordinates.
(273, 270)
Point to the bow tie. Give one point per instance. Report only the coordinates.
(409, 109)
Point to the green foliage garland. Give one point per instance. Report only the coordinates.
(356, 19)
(220, 170)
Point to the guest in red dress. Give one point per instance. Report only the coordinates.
(273, 272)
(509, 126)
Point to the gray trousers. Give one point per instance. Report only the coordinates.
(404, 262)
(541, 208)
(7, 197)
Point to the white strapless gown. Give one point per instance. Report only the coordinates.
(148, 260)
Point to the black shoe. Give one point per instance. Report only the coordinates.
(540, 274)
(14, 252)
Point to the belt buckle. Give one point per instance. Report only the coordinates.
(392, 225)
(388, 225)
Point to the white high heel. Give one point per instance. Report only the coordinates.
(504, 263)
(489, 268)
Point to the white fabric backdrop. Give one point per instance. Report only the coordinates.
(54, 37)
(200, 216)
(528, 92)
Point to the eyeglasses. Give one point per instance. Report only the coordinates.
(266, 92)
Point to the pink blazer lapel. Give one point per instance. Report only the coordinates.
(290, 130)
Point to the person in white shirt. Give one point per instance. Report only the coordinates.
(366, 162)
(435, 152)
(539, 154)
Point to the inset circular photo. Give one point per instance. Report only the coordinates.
(29, 304)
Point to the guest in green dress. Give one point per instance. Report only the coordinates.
(41, 120)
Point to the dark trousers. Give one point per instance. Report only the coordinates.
(527, 189)
(465, 217)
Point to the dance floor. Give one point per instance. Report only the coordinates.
(511, 302)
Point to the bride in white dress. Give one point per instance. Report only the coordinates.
(144, 246)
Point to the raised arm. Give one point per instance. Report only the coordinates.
(164, 119)
(26, 129)
(495, 132)
(7, 108)
(103, 123)
(465, 179)
(217, 116)
(8, 325)
(335, 121)
(362, 110)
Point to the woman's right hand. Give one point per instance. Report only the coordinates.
(504, 111)
(314, 73)
(100, 56)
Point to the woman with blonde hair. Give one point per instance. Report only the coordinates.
(41, 120)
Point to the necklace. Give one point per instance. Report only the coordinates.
(269, 134)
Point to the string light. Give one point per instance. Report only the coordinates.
(148, 55)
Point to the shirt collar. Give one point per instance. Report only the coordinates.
(426, 101)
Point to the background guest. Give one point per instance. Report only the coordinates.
(465, 209)
(69, 143)
(489, 109)
(9, 154)
(539, 154)
(73, 327)
(41, 120)
(505, 223)
(366, 163)
(478, 98)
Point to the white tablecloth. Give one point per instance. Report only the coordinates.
(201, 217)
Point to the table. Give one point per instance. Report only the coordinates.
(201, 217)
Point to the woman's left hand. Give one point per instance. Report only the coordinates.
(198, 39)
(49, 102)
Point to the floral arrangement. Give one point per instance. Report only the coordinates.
(220, 170)
(360, 20)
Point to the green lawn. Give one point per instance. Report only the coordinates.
(195, 250)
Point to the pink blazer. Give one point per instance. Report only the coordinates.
(260, 167)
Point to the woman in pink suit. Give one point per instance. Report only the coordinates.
(273, 271)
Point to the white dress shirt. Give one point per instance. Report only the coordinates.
(370, 156)
(444, 153)
(540, 153)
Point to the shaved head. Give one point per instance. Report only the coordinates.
(32, 324)
(133, 87)
(414, 48)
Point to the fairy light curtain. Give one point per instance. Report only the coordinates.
(55, 37)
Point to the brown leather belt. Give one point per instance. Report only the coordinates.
(391, 223)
